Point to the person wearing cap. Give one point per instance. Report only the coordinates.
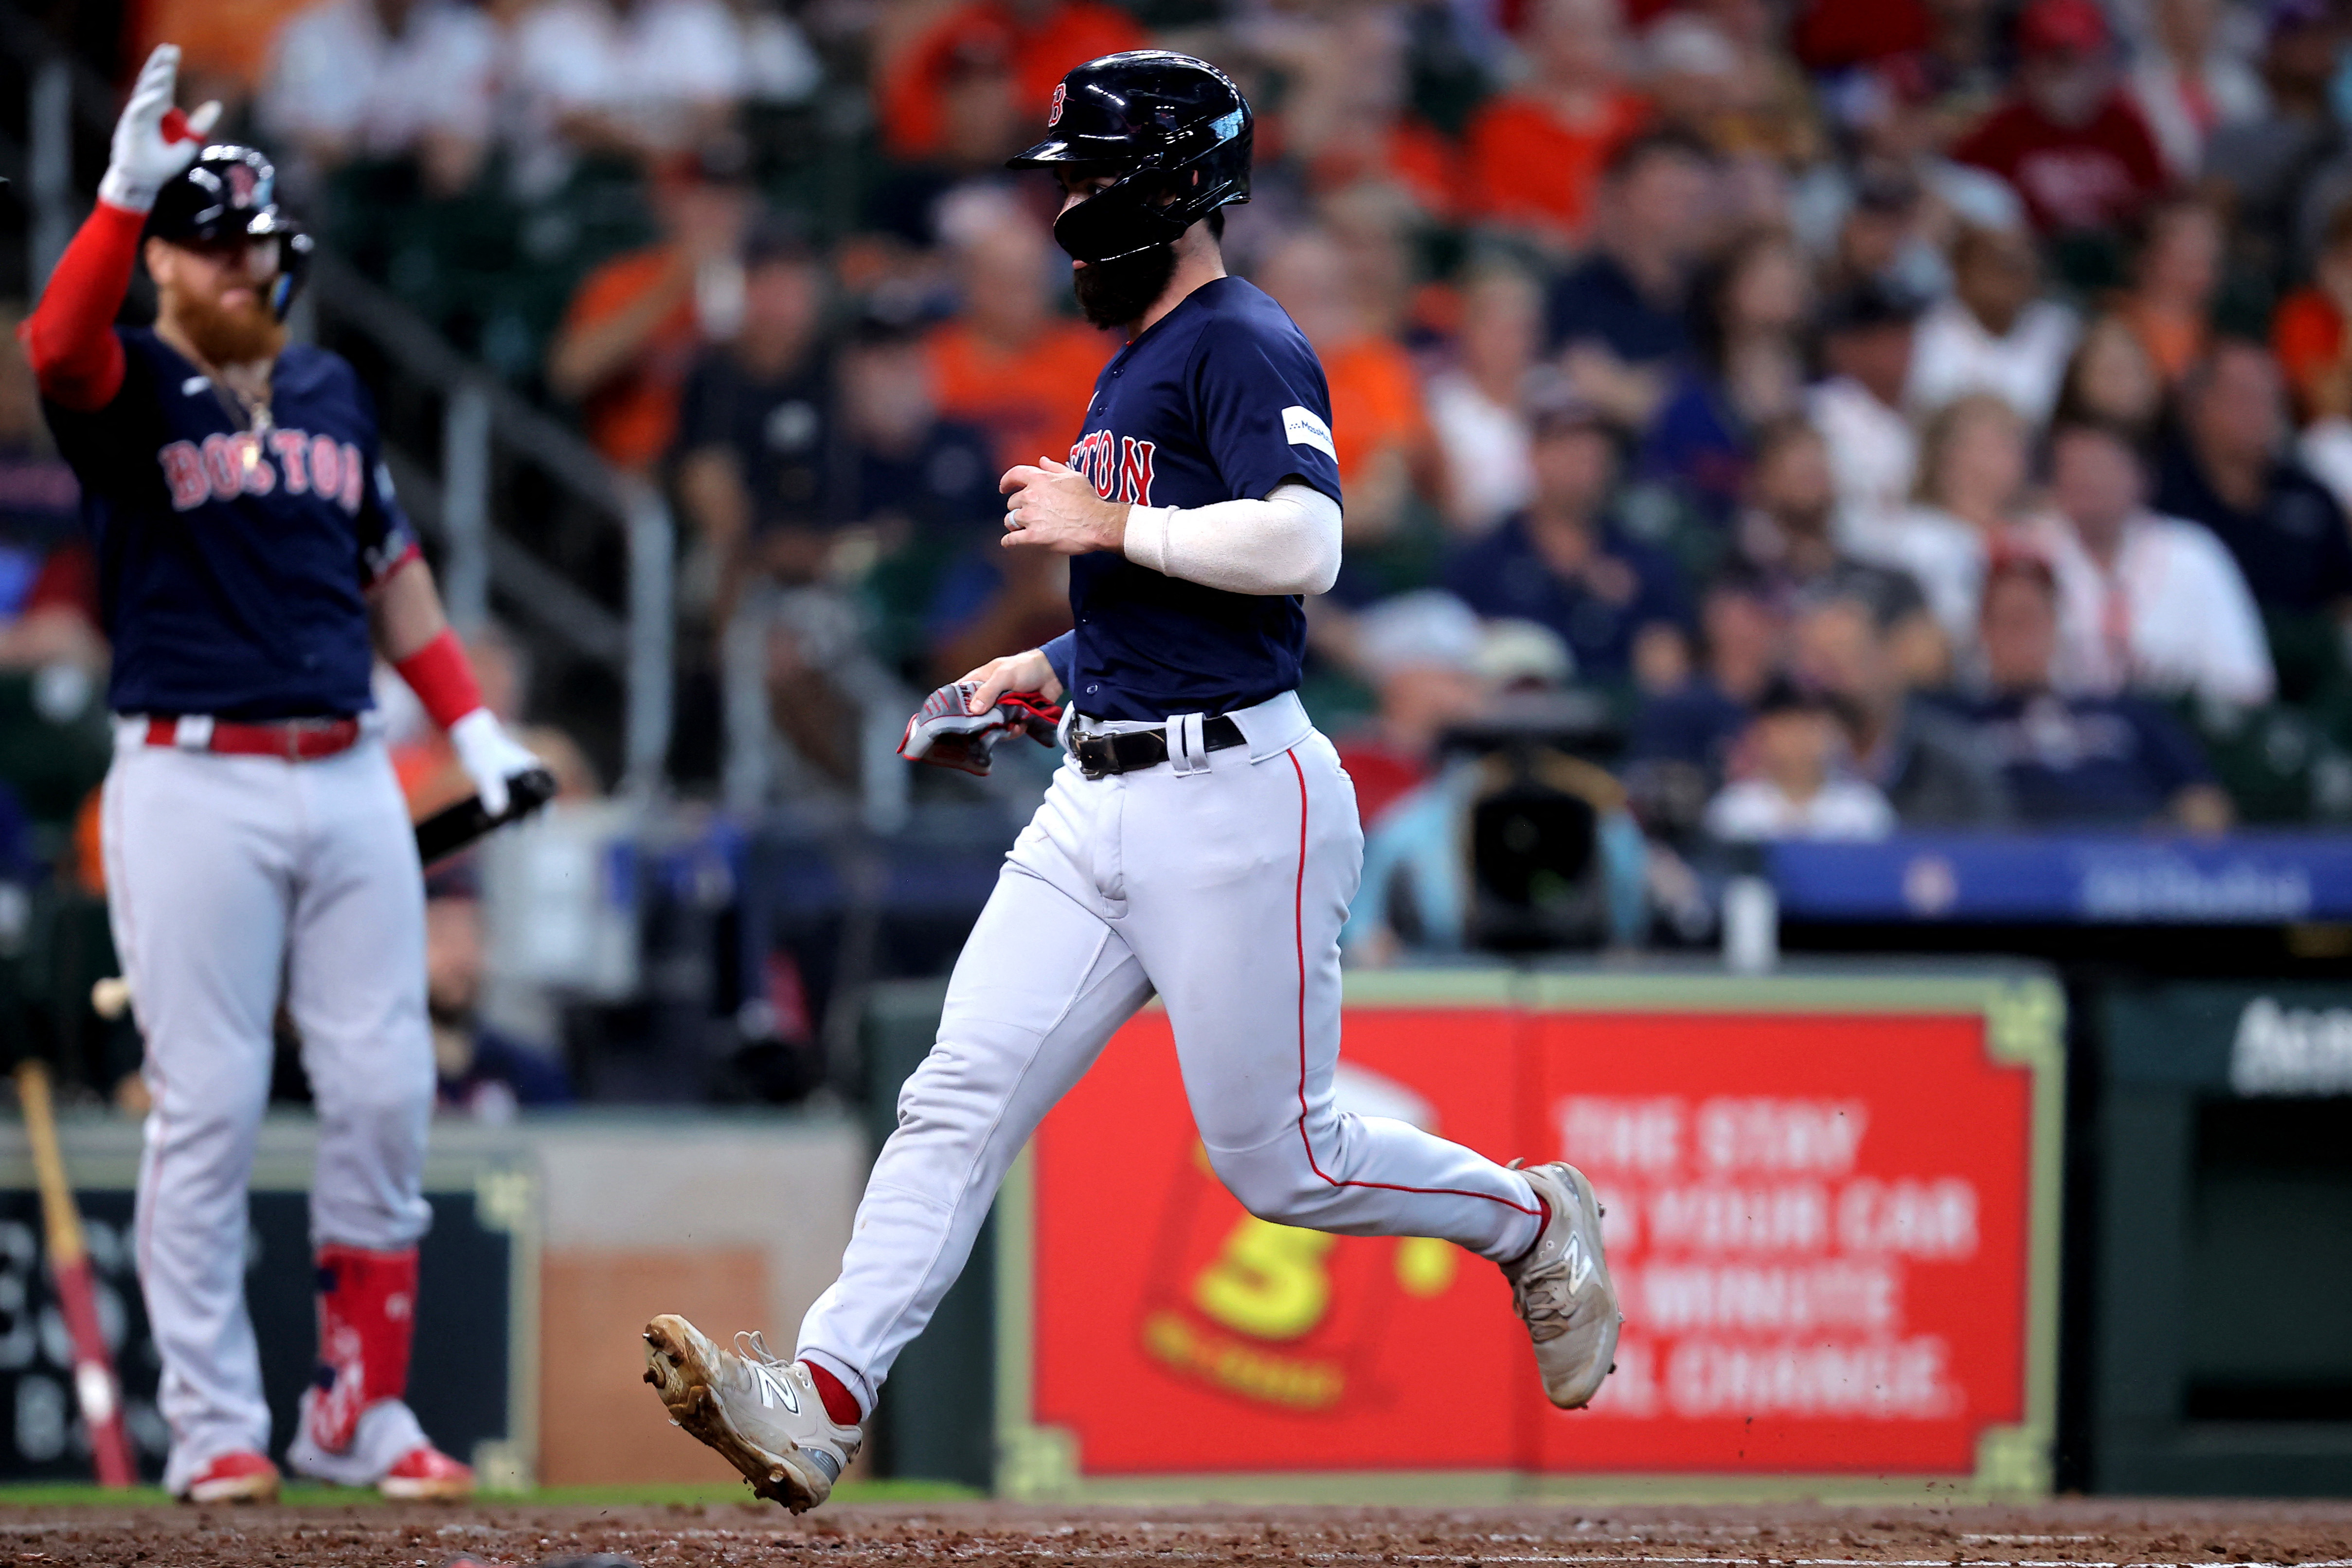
(1418, 651)
(1873, 450)
(1565, 563)
(1420, 884)
(2069, 138)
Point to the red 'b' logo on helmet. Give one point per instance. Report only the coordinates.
(1053, 115)
(241, 182)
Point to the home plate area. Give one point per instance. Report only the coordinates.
(2073, 1532)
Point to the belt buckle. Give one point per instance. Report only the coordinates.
(1096, 758)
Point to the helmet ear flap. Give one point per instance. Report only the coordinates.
(293, 266)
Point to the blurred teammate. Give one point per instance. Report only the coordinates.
(1201, 843)
(253, 561)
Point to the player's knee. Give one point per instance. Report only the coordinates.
(395, 1096)
(1272, 1183)
(952, 1088)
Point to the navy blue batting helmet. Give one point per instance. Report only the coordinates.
(1174, 131)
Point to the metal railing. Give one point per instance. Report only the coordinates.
(481, 414)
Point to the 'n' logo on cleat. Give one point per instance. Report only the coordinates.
(776, 1389)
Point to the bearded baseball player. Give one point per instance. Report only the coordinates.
(1198, 843)
(253, 561)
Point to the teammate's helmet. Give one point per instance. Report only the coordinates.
(231, 193)
(1168, 126)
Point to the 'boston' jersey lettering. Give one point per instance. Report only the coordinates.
(223, 467)
(233, 565)
(1221, 400)
(1127, 479)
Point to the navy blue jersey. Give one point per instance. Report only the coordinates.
(1221, 400)
(233, 567)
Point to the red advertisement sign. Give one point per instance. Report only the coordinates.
(1820, 1225)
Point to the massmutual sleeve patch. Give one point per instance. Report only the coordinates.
(1302, 428)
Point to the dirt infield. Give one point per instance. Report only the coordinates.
(2079, 1531)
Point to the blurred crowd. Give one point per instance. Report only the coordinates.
(1876, 415)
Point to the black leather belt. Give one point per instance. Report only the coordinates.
(1101, 753)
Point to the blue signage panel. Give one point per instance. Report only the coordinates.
(2250, 879)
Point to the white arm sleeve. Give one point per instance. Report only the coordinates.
(1287, 543)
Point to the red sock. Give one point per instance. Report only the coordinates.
(839, 1402)
(367, 1313)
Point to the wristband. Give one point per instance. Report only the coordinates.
(443, 679)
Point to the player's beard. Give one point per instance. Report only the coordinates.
(1118, 293)
(227, 335)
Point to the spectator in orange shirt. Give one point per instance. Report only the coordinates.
(1043, 39)
(1535, 154)
(1381, 435)
(633, 327)
(2308, 335)
(2176, 273)
(1008, 363)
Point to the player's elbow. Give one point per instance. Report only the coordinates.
(1312, 568)
(1321, 575)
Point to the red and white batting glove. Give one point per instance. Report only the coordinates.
(153, 140)
(945, 733)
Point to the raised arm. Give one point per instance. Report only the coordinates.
(70, 339)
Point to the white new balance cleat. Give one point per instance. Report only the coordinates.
(763, 1415)
(1560, 1289)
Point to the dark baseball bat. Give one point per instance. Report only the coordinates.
(452, 827)
(96, 1388)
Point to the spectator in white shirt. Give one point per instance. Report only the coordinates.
(1795, 787)
(1974, 461)
(1995, 333)
(385, 79)
(2165, 607)
(1478, 408)
(2188, 84)
(1866, 342)
(638, 77)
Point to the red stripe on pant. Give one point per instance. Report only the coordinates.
(1298, 927)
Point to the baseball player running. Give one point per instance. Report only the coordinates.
(1199, 842)
(252, 562)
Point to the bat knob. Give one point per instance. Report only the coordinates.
(110, 998)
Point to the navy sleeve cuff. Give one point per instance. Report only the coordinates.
(1060, 652)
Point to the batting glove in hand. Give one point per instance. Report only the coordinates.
(946, 733)
(491, 757)
(153, 141)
